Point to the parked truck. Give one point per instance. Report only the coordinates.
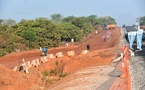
(108, 27)
(111, 26)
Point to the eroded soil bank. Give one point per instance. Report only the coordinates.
(90, 66)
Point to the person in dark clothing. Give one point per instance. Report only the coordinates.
(103, 27)
(88, 47)
(105, 39)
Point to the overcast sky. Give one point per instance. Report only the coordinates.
(124, 11)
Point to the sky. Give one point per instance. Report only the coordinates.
(123, 11)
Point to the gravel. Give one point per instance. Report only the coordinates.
(137, 73)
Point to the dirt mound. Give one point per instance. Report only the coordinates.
(101, 53)
(10, 80)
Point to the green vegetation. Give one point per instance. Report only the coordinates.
(54, 74)
(142, 20)
(46, 79)
(2, 53)
(45, 73)
(59, 70)
(32, 34)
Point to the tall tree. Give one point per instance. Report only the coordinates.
(79, 22)
(68, 19)
(69, 31)
(93, 21)
(107, 20)
(56, 18)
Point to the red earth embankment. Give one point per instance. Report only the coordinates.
(101, 53)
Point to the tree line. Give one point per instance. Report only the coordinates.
(32, 34)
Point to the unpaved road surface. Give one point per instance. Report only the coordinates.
(91, 78)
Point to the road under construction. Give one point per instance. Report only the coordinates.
(103, 67)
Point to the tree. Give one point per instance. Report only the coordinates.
(69, 31)
(79, 22)
(9, 22)
(41, 30)
(29, 35)
(87, 29)
(68, 19)
(92, 19)
(107, 20)
(57, 18)
(142, 20)
(8, 39)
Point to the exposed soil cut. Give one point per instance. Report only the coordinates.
(101, 53)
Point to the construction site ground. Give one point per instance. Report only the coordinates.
(92, 71)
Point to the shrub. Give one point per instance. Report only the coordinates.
(2, 53)
(45, 73)
(56, 63)
(51, 72)
(8, 49)
(61, 74)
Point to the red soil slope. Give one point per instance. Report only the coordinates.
(100, 53)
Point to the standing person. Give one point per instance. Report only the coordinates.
(72, 41)
(131, 38)
(103, 26)
(45, 51)
(139, 38)
(105, 38)
(96, 32)
(88, 47)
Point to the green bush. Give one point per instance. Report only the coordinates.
(2, 53)
(51, 72)
(61, 74)
(8, 49)
(56, 63)
(45, 73)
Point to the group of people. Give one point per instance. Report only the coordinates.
(135, 35)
